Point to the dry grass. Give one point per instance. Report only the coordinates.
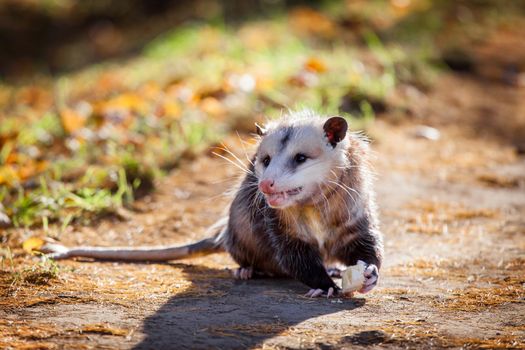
(436, 218)
(517, 264)
(476, 299)
(450, 212)
(499, 342)
(31, 335)
(441, 269)
(486, 271)
(80, 283)
(405, 334)
(254, 330)
(500, 181)
(27, 276)
(498, 284)
(100, 328)
(419, 333)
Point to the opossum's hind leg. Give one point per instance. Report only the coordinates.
(243, 273)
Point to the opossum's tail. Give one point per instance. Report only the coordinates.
(204, 247)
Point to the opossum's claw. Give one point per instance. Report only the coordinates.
(243, 273)
(314, 293)
(371, 275)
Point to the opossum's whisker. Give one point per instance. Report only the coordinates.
(244, 148)
(233, 163)
(339, 197)
(335, 175)
(237, 160)
(232, 178)
(348, 167)
(325, 198)
(339, 183)
(342, 184)
(344, 189)
(224, 148)
(217, 196)
(351, 189)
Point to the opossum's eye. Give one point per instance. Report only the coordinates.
(300, 158)
(266, 161)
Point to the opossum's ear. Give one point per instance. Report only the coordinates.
(335, 129)
(261, 131)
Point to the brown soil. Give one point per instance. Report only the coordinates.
(452, 213)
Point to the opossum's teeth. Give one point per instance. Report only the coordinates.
(277, 198)
(294, 191)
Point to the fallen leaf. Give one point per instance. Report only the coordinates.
(33, 244)
(71, 120)
(212, 106)
(8, 174)
(315, 65)
(169, 109)
(257, 36)
(311, 22)
(129, 101)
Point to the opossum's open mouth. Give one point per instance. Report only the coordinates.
(277, 198)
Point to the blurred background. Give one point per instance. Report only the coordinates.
(100, 98)
(114, 116)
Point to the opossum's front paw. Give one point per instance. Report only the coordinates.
(243, 273)
(314, 293)
(371, 275)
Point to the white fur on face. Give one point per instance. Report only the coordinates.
(297, 183)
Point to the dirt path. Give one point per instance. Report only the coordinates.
(454, 274)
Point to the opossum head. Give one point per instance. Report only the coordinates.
(297, 155)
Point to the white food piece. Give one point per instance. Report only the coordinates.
(353, 277)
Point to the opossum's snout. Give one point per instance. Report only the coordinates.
(266, 186)
(274, 197)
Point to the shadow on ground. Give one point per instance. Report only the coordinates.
(235, 314)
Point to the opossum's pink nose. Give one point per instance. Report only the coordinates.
(266, 186)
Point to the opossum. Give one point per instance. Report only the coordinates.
(304, 209)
